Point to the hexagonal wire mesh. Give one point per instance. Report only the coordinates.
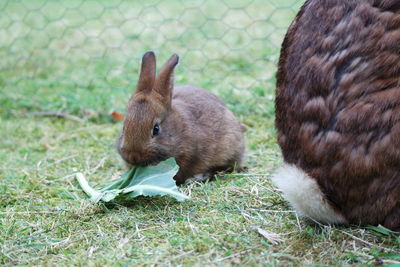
(75, 50)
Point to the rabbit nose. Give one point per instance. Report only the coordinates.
(125, 153)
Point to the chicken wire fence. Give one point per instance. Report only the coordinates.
(80, 45)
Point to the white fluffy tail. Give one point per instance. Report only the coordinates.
(305, 196)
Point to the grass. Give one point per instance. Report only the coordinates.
(82, 58)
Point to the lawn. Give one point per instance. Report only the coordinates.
(81, 58)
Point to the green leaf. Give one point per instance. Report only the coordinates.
(138, 181)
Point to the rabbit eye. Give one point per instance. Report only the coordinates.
(156, 130)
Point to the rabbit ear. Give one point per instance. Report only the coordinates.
(165, 80)
(147, 72)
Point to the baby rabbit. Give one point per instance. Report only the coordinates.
(338, 112)
(186, 122)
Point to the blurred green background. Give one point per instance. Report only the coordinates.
(72, 56)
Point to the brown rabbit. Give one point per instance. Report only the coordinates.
(187, 123)
(338, 112)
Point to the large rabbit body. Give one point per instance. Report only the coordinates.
(338, 112)
(186, 122)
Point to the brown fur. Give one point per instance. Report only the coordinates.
(197, 129)
(338, 104)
